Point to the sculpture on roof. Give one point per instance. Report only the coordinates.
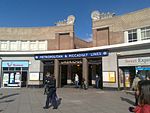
(96, 15)
(70, 21)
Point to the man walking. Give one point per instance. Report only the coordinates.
(51, 92)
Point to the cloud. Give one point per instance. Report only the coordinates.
(88, 37)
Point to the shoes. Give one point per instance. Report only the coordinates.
(45, 107)
(131, 109)
(54, 107)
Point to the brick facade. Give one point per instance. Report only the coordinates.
(117, 25)
(107, 31)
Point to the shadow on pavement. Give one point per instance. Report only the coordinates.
(127, 100)
(7, 101)
(1, 110)
(6, 96)
(59, 101)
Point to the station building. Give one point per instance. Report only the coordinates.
(120, 48)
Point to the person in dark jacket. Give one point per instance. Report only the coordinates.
(45, 82)
(51, 92)
(54, 95)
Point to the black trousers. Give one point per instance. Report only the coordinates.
(48, 99)
(51, 98)
(136, 99)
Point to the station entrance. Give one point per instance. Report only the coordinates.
(95, 68)
(68, 69)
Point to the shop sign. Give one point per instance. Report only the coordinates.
(72, 55)
(15, 64)
(139, 61)
(142, 68)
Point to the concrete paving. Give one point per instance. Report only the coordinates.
(32, 100)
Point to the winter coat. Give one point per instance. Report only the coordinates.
(142, 109)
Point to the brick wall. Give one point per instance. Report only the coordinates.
(117, 25)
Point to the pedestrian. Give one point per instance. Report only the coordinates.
(144, 98)
(51, 92)
(46, 81)
(54, 94)
(148, 77)
(76, 81)
(97, 79)
(83, 84)
(0, 81)
(134, 87)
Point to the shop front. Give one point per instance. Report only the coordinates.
(129, 67)
(14, 73)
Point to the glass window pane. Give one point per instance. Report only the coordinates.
(33, 45)
(11, 68)
(145, 33)
(142, 35)
(5, 68)
(24, 45)
(13, 45)
(24, 68)
(18, 68)
(148, 33)
(130, 36)
(3, 45)
(134, 36)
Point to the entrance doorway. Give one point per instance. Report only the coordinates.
(128, 76)
(24, 79)
(67, 73)
(95, 69)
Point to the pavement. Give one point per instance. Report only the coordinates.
(32, 100)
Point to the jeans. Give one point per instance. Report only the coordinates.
(54, 99)
(97, 83)
(77, 84)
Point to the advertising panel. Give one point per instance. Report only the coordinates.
(127, 78)
(109, 77)
(34, 76)
(5, 78)
(12, 78)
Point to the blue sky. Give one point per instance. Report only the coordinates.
(36, 13)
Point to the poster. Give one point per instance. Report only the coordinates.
(127, 78)
(12, 78)
(109, 77)
(34, 76)
(17, 77)
(41, 76)
(5, 78)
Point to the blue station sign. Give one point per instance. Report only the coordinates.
(72, 55)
